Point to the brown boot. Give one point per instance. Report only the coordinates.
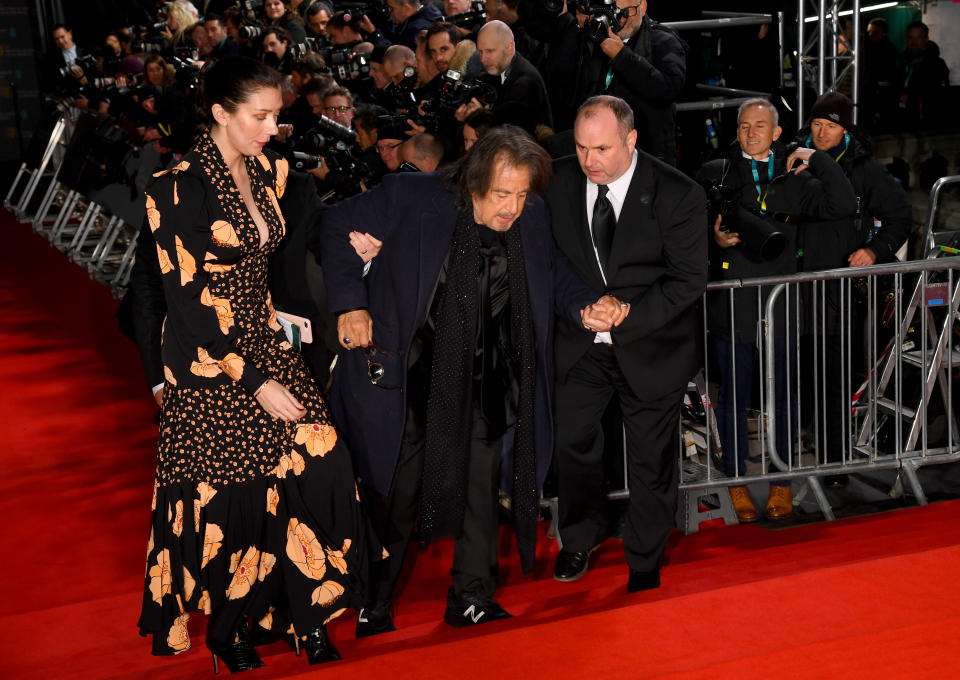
(742, 504)
(780, 503)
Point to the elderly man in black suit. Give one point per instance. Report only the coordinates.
(444, 390)
(635, 228)
(521, 94)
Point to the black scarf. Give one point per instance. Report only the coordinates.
(449, 403)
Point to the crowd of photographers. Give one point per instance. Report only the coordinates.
(378, 86)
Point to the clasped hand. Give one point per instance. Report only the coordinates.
(605, 314)
(277, 401)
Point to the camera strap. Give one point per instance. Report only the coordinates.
(761, 193)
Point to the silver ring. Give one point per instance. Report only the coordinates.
(363, 252)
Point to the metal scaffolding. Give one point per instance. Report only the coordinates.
(825, 54)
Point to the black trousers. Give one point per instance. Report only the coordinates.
(395, 515)
(651, 428)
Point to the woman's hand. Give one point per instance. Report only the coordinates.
(278, 402)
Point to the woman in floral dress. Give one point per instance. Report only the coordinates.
(256, 519)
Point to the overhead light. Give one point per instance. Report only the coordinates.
(848, 12)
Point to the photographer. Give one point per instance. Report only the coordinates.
(522, 96)
(180, 16)
(317, 17)
(243, 32)
(507, 11)
(278, 13)
(276, 42)
(620, 51)
(753, 193)
(421, 153)
(407, 19)
(62, 60)
(223, 44)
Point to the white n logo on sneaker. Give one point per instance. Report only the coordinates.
(473, 614)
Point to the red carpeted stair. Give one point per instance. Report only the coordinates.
(873, 597)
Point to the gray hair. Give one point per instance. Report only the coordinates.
(761, 103)
(620, 109)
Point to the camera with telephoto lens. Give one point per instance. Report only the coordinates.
(87, 63)
(250, 31)
(333, 144)
(298, 50)
(475, 16)
(377, 11)
(401, 94)
(454, 92)
(604, 16)
(188, 65)
(759, 235)
(344, 64)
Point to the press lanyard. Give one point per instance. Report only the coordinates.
(606, 84)
(761, 194)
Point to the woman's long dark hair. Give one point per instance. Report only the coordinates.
(230, 82)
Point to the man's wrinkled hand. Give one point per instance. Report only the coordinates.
(355, 329)
(367, 246)
(724, 239)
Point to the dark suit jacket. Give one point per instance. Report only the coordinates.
(522, 98)
(658, 264)
(415, 216)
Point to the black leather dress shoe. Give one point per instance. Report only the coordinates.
(470, 609)
(375, 619)
(571, 565)
(643, 580)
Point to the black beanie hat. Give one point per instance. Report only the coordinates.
(835, 107)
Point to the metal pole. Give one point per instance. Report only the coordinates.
(698, 24)
(798, 62)
(855, 89)
(780, 44)
(837, 30)
(732, 91)
(822, 48)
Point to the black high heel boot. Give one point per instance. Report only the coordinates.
(239, 655)
(319, 648)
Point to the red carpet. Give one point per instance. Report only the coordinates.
(874, 597)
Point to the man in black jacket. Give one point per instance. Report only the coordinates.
(633, 228)
(642, 63)
(407, 19)
(881, 226)
(521, 94)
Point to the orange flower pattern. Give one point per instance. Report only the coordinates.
(283, 169)
(212, 540)
(165, 265)
(178, 638)
(273, 498)
(188, 265)
(153, 215)
(326, 593)
(210, 266)
(244, 574)
(221, 306)
(178, 519)
(189, 583)
(160, 579)
(318, 437)
(304, 550)
(336, 557)
(267, 562)
(224, 234)
(168, 375)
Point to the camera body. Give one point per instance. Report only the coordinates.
(87, 63)
(604, 16)
(344, 64)
(378, 11)
(759, 235)
(332, 143)
(472, 18)
(401, 94)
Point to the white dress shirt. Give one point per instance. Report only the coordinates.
(616, 194)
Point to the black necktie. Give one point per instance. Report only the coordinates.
(604, 223)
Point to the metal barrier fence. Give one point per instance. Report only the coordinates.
(76, 221)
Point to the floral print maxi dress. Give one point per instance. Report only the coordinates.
(252, 516)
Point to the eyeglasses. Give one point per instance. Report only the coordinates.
(339, 109)
(631, 11)
(375, 370)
